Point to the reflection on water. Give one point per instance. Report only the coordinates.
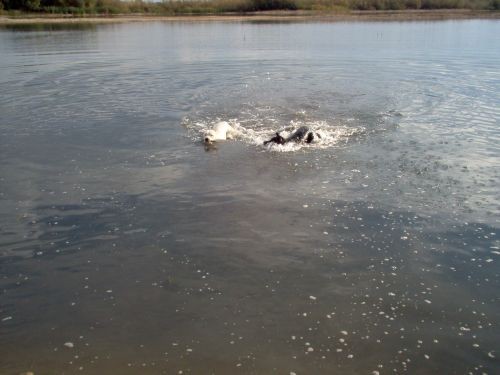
(47, 27)
(127, 248)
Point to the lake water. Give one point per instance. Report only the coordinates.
(127, 247)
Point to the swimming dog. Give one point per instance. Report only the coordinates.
(221, 131)
(301, 134)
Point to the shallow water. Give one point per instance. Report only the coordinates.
(128, 247)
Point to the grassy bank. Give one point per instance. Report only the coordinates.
(111, 7)
(264, 16)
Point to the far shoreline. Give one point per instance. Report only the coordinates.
(269, 16)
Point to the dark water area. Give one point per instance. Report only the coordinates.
(127, 247)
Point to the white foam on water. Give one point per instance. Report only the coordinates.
(256, 133)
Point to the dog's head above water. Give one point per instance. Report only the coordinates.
(209, 137)
(220, 132)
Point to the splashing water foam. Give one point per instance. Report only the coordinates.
(256, 133)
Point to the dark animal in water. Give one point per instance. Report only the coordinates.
(302, 133)
(276, 139)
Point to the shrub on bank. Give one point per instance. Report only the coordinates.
(28, 5)
(173, 7)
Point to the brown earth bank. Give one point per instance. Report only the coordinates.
(299, 15)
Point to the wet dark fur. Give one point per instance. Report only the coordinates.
(302, 133)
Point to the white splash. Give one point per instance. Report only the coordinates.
(328, 134)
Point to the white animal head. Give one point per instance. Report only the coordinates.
(210, 136)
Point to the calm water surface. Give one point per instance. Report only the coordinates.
(126, 247)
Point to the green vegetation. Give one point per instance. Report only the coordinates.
(175, 7)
